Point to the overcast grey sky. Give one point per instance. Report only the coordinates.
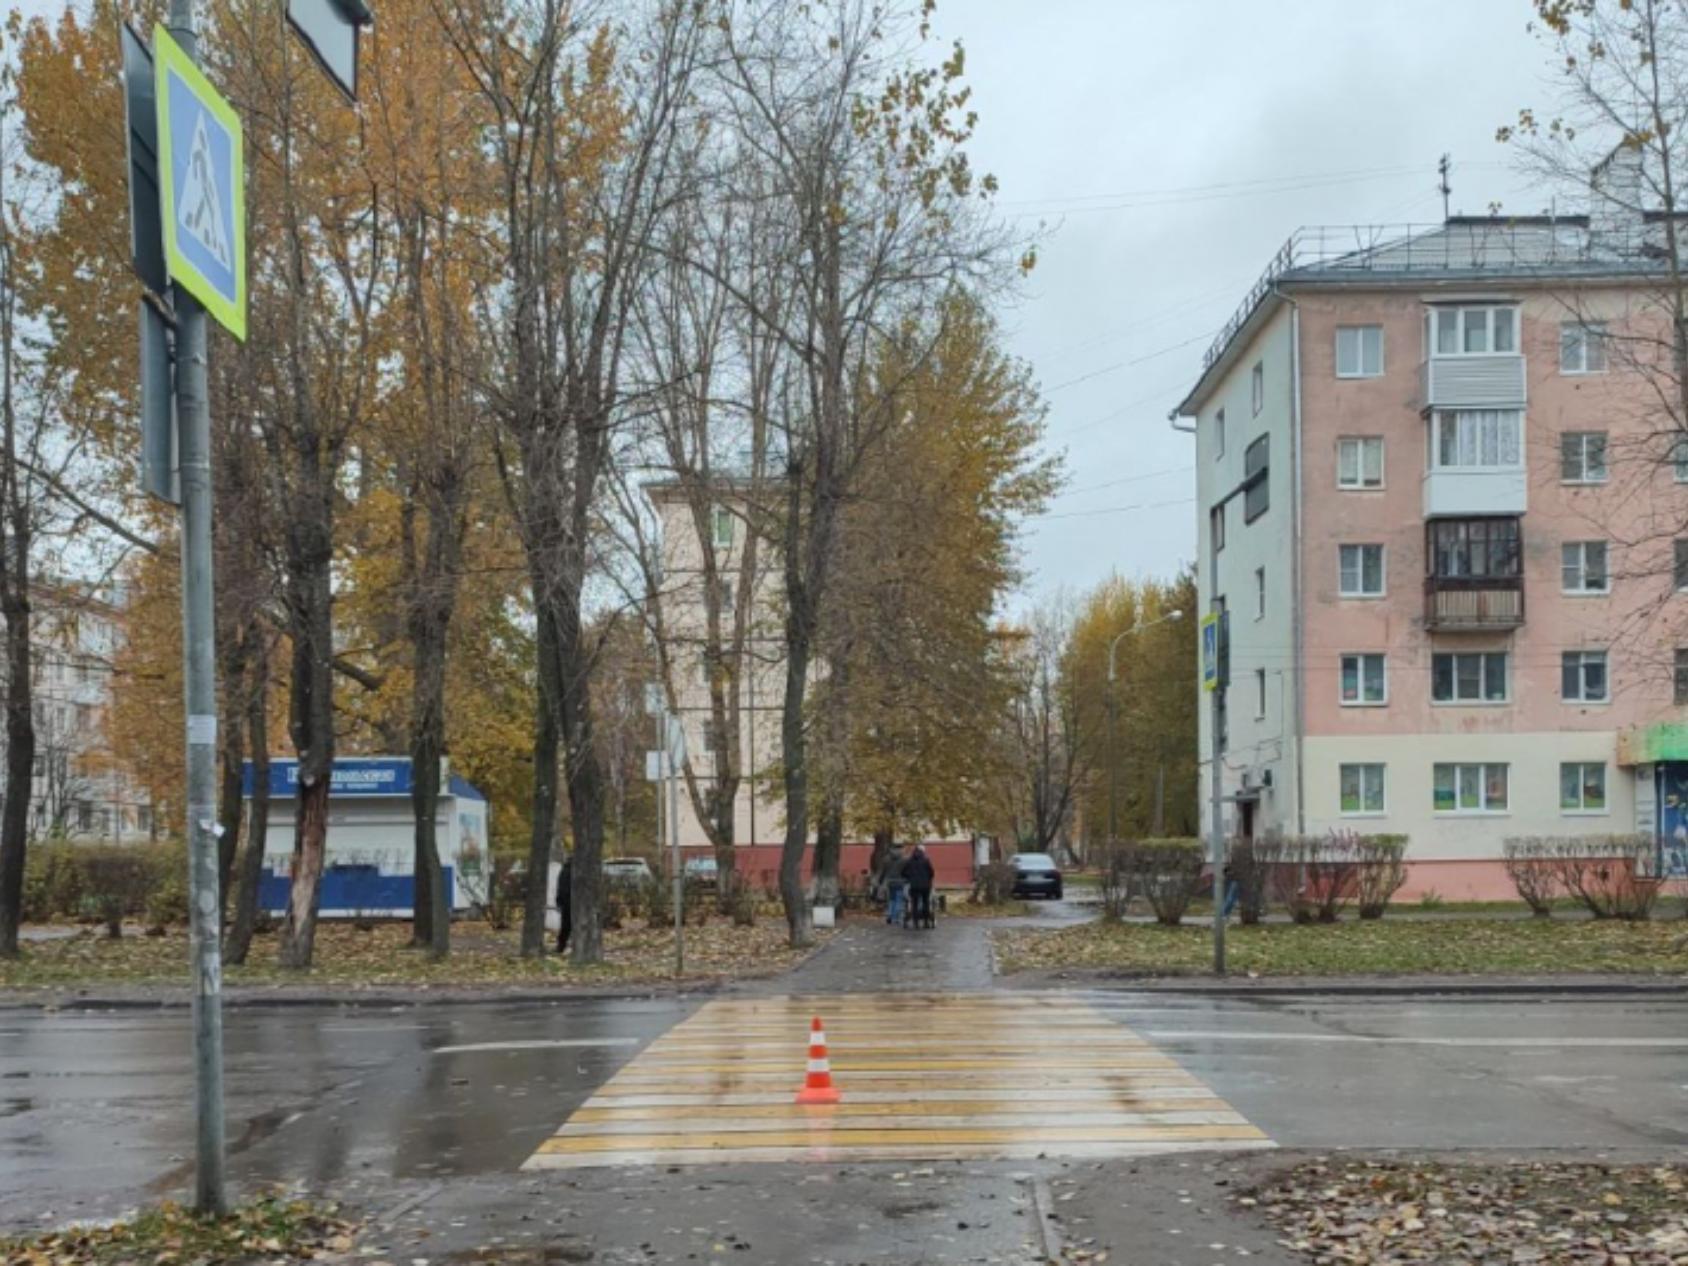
(1260, 118)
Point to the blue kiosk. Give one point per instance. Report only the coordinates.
(369, 868)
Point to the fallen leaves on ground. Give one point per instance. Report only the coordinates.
(965, 908)
(1417, 946)
(1382, 1213)
(380, 957)
(271, 1229)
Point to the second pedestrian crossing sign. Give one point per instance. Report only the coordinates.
(202, 186)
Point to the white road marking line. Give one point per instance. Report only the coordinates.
(537, 1045)
(1544, 1043)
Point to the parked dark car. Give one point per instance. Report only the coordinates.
(1036, 875)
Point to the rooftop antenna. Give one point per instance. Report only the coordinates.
(1442, 168)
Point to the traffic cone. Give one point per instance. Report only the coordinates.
(817, 1086)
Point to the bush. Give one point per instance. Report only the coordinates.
(1530, 866)
(52, 883)
(506, 891)
(1314, 876)
(1251, 870)
(1381, 869)
(1608, 874)
(741, 902)
(116, 884)
(167, 898)
(1118, 884)
(1167, 872)
(993, 885)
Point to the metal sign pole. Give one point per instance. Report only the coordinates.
(674, 758)
(193, 418)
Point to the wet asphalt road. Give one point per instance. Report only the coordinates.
(449, 1099)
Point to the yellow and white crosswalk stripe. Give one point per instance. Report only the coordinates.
(936, 1078)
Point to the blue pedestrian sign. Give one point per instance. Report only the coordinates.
(202, 170)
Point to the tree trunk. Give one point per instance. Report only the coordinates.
(585, 783)
(829, 847)
(20, 749)
(425, 752)
(884, 840)
(312, 724)
(245, 920)
(545, 743)
(231, 730)
(799, 917)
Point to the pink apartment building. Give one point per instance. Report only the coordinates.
(1448, 520)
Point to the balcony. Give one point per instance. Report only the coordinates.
(1473, 604)
(1453, 492)
(1493, 381)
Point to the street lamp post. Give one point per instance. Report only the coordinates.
(1113, 710)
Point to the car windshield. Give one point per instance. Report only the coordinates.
(1034, 861)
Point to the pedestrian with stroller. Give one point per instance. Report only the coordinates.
(895, 886)
(919, 873)
(565, 904)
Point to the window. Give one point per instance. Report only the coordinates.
(1468, 677)
(1582, 347)
(714, 737)
(143, 818)
(1360, 571)
(722, 526)
(1582, 677)
(1259, 593)
(1257, 386)
(1475, 331)
(84, 718)
(1680, 568)
(84, 816)
(1582, 567)
(1364, 683)
(1359, 351)
(1682, 674)
(1470, 789)
(1256, 479)
(1474, 548)
(1361, 789)
(1259, 693)
(1582, 787)
(1219, 435)
(1216, 526)
(724, 598)
(1476, 439)
(1359, 461)
(1582, 457)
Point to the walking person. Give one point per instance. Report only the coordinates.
(896, 887)
(565, 903)
(1233, 892)
(919, 873)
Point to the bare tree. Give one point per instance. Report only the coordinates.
(584, 143)
(860, 156)
(1616, 144)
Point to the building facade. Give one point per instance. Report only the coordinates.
(750, 598)
(78, 791)
(1447, 520)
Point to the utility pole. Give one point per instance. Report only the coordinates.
(1442, 186)
(193, 420)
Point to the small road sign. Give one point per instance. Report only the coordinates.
(202, 166)
(1210, 651)
(330, 29)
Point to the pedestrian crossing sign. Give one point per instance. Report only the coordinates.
(202, 179)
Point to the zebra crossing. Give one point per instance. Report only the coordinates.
(954, 1076)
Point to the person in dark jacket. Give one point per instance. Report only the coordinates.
(565, 904)
(895, 884)
(919, 873)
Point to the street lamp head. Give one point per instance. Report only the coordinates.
(1177, 613)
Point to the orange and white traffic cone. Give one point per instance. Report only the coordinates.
(817, 1086)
